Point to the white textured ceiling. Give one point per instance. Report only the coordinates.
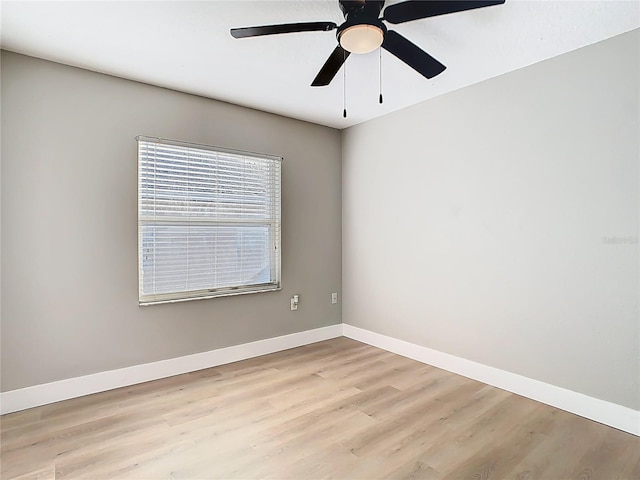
(186, 46)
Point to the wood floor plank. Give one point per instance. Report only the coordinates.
(498, 461)
(47, 473)
(566, 437)
(335, 409)
(603, 458)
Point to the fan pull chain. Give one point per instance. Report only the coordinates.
(380, 64)
(344, 85)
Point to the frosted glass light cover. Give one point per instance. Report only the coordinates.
(361, 38)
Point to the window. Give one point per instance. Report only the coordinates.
(208, 221)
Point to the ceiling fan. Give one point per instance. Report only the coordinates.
(364, 31)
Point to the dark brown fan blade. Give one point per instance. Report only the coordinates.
(283, 28)
(412, 55)
(330, 67)
(414, 10)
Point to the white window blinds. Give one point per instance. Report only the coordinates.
(208, 221)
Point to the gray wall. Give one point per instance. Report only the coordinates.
(69, 224)
(499, 223)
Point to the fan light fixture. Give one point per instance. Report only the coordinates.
(363, 38)
(365, 30)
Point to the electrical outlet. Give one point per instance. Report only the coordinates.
(294, 302)
(334, 298)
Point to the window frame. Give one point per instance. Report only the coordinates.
(274, 224)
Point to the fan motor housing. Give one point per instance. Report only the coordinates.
(364, 8)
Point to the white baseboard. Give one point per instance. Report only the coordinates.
(617, 416)
(23, 398)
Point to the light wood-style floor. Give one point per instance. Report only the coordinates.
(335, 409)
